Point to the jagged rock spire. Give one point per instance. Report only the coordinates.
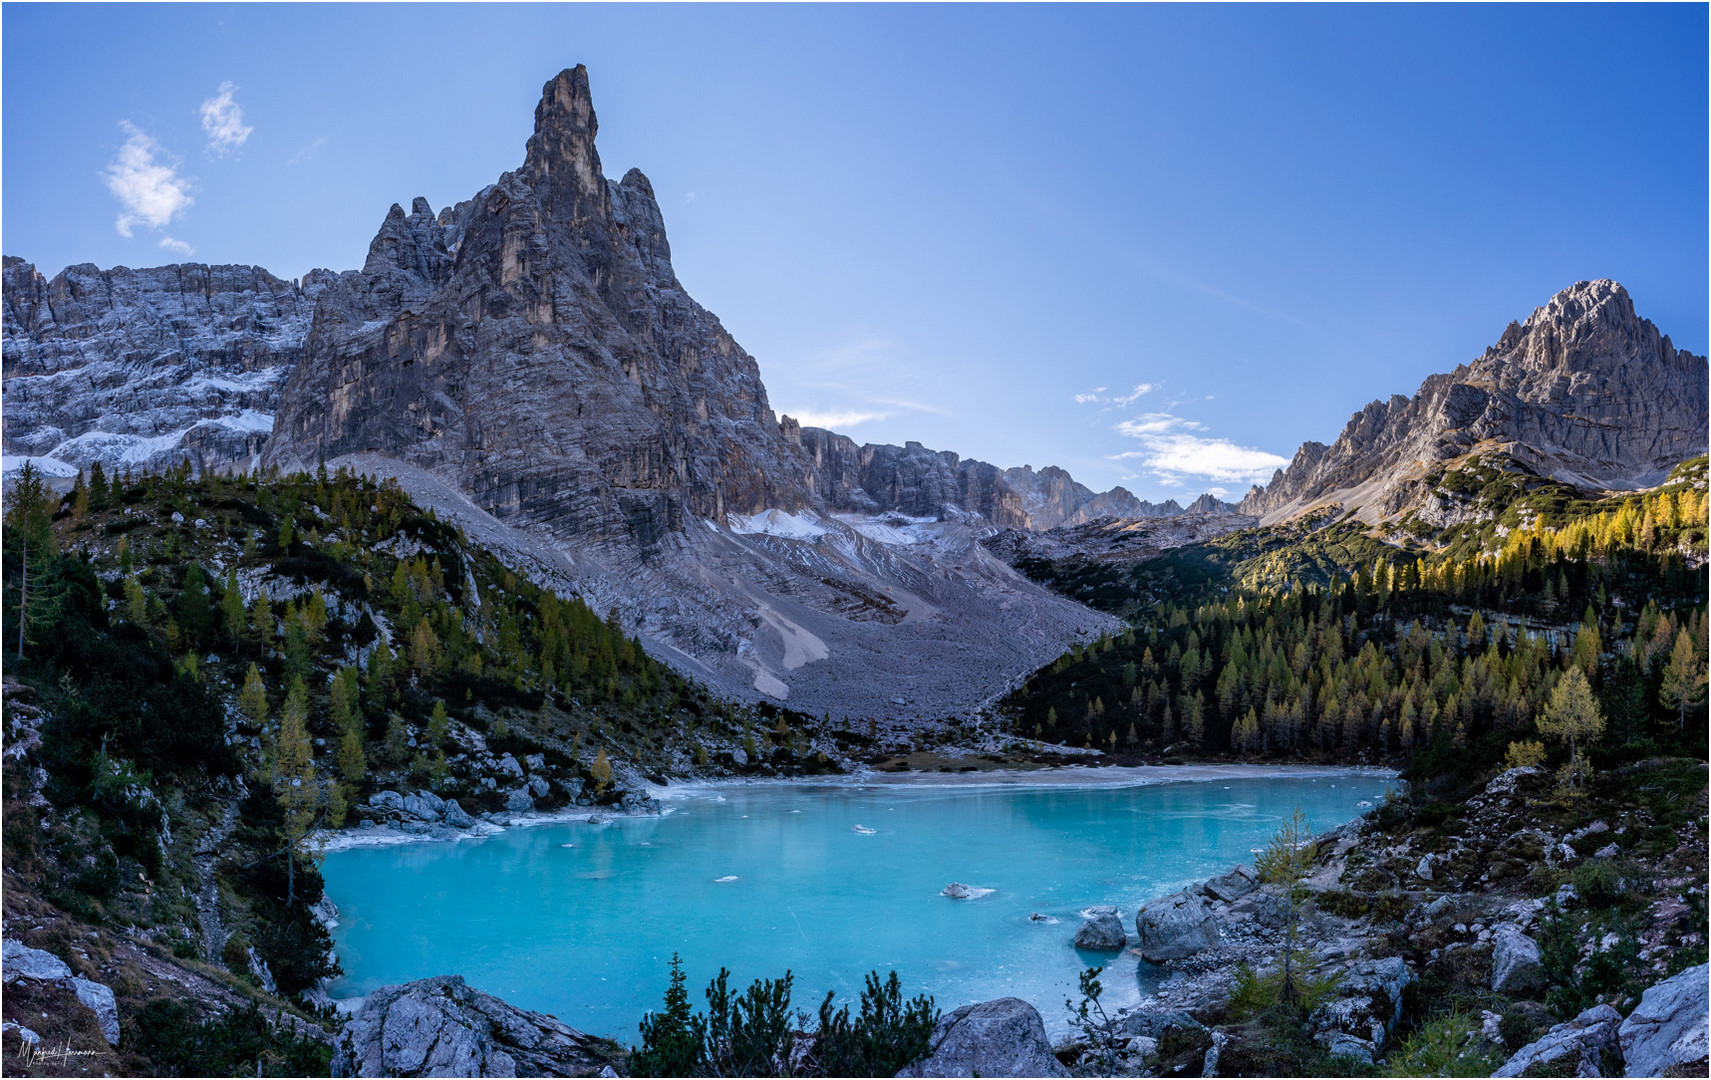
(561, 158)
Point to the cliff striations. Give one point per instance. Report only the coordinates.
(147, 367)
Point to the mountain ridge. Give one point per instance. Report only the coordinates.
(1585, 392)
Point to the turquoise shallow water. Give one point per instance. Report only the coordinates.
(580, 920)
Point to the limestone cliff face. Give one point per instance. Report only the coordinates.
(534, 346)
(1584, 391)
(147, 367)
(907, 479)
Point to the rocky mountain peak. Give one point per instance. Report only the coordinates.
(1585, 391)
(561, 158)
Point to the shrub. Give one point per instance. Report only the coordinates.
(752, 1034)
(888, 1033)
(1597, 882)
(1525, 753)
(1447, 1045)
(237, 1044)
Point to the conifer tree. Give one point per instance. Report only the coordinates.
(1573, 717)
(294, 782)
(1684, 677)
(252, 700)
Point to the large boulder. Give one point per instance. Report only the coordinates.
(387, 800)
(1177, 926)
(1102, 931)
(1577, 1048)
(1005, 1037)
(98, 998)
(1668, 1027)
(456, 816)
(1515, 965)
(19, 961)
(1368, 1004)
(424, 806)
(1239, 882)
(440, 1027)
(519, 801)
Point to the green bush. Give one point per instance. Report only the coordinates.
(1598, 882)
(1447, 1045)
(237, 1044)
(756, 1033)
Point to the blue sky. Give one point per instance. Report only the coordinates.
(1159, 246)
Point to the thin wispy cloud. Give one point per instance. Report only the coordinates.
(869, 378)
(223, 121)
(145, 180)
(1172, 450)
(178, 246)
(1099, 396)
(835, 420)
(307, 153)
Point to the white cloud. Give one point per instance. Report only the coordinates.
(151, 191)
(179, 246)
(223, 121)
(835, 420)
(1172, 451)
(1121, 401)
(307, 153)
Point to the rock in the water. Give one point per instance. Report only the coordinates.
(993, 1038)
(456, 816)
(1234, 885)
(520, 801)
(100, 1001)
(1102, 930)
(22, 962)
(956, 890)
(1579, 1046)
(1515, 965)
(440, 1027)
(1668, 1028)
(1177, 926)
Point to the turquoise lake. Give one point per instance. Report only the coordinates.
(580, 920)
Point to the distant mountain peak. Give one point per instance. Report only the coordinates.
(1584, 391)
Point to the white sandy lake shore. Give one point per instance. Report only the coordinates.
(1062, 776)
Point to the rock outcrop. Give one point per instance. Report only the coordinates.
(22, 963)
(440, 1027)
(1175, 927)
(145, 368)
(1585, 391)
(1668, 1029)
(1582, 1047)
(1005, 1037)
(1515, 964)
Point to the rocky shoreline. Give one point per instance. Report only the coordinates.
(1374, 956)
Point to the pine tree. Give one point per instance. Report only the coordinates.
(601, 771)
(1573, 717)
(252, 700)
(294, 782)
(1684, 678)
(233, 614)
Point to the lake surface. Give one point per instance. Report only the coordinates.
(581, 920)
